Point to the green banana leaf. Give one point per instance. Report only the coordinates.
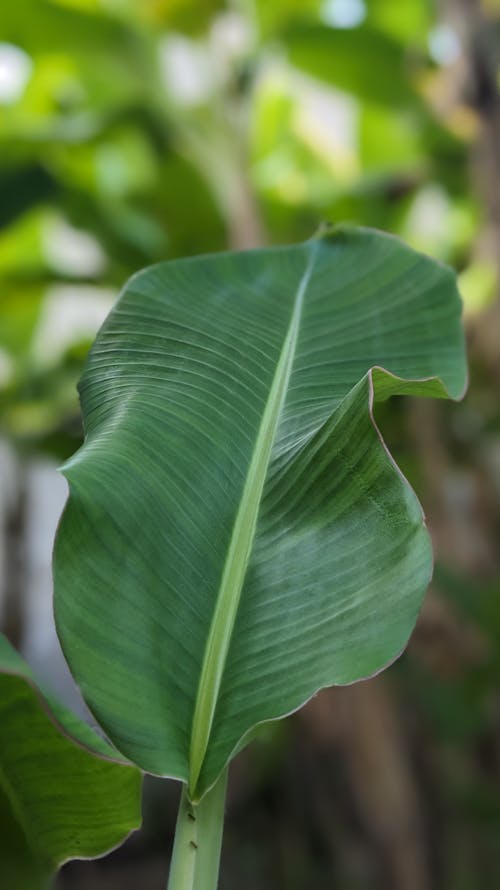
(64, 792)
(237, 535)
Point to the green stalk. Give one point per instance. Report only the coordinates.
(198, 839)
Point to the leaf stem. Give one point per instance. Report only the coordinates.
(198, 840)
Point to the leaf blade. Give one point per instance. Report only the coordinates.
(67, 803)
(173, 396)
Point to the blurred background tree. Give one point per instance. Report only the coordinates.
(134, 131)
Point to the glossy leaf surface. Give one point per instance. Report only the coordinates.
(237, 535)
(64, 792)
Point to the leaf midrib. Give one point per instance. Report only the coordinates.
(240, 546)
